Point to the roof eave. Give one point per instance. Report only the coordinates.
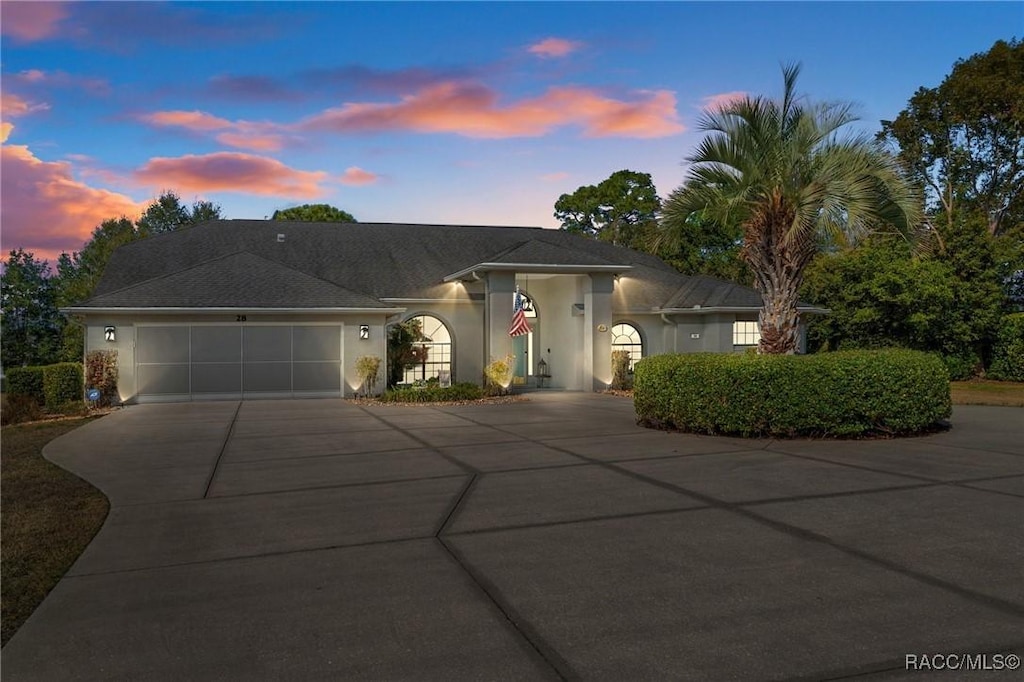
(701, 310)
(82, 310)
(467, 273)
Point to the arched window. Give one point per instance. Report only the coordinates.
(439, 351)
(627, 337)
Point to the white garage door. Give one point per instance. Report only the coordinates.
(218, 362)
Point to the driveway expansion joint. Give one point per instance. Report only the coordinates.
(223, 449)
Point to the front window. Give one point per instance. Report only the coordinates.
(746, 333)
(627, 337)
(439, 351)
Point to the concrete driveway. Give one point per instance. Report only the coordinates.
(547, 539)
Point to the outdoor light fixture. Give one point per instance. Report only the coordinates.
(364, 331)
(109, 333)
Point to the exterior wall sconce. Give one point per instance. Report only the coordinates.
(110, 333)
(364, 332)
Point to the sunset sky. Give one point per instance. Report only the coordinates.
(476, 113)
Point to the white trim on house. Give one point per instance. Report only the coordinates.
(216, 311)
(699, 310)
(527, 268)
(445, 301)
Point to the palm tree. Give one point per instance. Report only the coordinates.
(784, 173)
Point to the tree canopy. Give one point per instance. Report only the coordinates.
(31, 322)
(314, 213)
(167, 214)
(964, 139)
(617, 210)
(784, 172)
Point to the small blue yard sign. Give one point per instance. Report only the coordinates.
(93, 394)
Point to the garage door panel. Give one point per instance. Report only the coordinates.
(267, 344)
(216, 344)
(267, 377)
(169, 379)
(162, 345)
(209, 362)
(316, 343)
(317, 376)
(217, 377)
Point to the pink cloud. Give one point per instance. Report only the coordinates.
(230, 172)
(251, 135)
(354, 175)
(553, 47)
(721, 100)
(12, 105)
(473, 110)
(555, 177)
(45, 210)
(193, 120)
(252, 141)
(31, 21)
(62, 79)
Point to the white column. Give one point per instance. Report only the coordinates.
(597, 337)
(500, 289)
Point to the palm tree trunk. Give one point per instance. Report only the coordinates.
(778, 265)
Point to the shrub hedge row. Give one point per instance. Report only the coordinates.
(62, 383)
(846, 393)
(1008, 354)
(433, 393)
(49, 385)
(26, 382)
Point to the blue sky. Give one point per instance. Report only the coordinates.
(465, 113)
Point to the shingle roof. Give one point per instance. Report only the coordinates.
(708, 292)
(357, 264)
(238, 280)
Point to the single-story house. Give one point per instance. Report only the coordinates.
(253, 308)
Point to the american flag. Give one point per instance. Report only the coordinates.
(519, 324)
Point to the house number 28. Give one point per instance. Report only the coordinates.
(239, 318)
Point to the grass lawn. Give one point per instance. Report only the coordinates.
(981, 392)
(49, 516)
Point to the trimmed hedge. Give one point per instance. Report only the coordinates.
(1008, 354)
(433, 394)
(26, 382)
(62, 383)
(847, 393)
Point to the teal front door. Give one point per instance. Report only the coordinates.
(520, 363)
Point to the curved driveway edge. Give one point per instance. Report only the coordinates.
(544, 539)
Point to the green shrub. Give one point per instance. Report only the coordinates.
(62, 383)
(26, 381)
(962, 366)
(621, 378)
(434, 394)
(846, 393)
(72, 408)
(1008, 353)
(101, 373)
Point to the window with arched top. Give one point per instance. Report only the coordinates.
(627, 337)
(439, 351)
